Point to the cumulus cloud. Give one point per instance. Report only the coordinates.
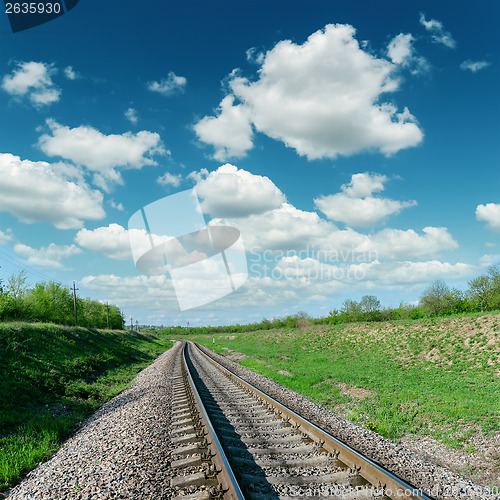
(322, 98)
(148, 293)
(355, 205)
(44, 192)
(375, 273)
(474, 66)
(70, 73)
(290, 229)
(401, 52)
(100, 153)
(229, 132)
(169, 85)
(404, 244)
(112, 241)
(131, 115)
(256, 206)
(33, 80)
(5, 237)
(117, 206)
(168, 179)
(282, 228)
(437, 32)
(400, 48)
(50, 256)
(489, 213)
(232, 192)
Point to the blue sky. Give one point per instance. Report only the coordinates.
(353, 143)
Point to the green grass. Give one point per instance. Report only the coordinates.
(52, 377)
(426, 377)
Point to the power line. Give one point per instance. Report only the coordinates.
(74, 302)
(10, 257)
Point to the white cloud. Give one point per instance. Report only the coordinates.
(321, 98)
(169, 85)
(400, 48)
(489, 213)
(70, 73)
(489, 259)
(285, 228)
(374, 273)
(437, 31)
(400, 244)
(49, 256)
(168, 179)
(145, 293)
(44, 192)
(256, 206)
(101, 153)
(391, 274)
(474, 66)
(5, 237)
(364, 184)
(131, 115)
(401, 52)
(232, 192)
(33, 80)
(117, 206)
(230, 132)
(359, 211)
(355, 205)
(290, 229)
(112, 241)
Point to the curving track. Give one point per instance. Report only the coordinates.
(233, 441)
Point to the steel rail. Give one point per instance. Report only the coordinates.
(225, 475)
(396, 487)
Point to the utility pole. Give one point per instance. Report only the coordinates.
(131, 324)
(74, 302)
(107, 315)
(123, 320)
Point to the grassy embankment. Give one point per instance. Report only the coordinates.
(51, 377)
(437, 377)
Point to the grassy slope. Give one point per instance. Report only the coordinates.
(439, 377)
(51, 377)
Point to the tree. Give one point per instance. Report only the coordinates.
(370, 306)
(480, 290)
(16, 291)
(436, 297)
(51, 302)
(351, 311)
(17, 285)
(494, 275)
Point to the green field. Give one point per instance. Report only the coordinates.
(438, 377)
(51, 377)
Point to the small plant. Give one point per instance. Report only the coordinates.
(470, 448)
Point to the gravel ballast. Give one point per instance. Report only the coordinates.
(435, 480)
(124, 449)
(121, 451)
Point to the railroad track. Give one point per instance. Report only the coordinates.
(235, 442)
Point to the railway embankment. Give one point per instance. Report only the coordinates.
(432, 385)
(53, 377)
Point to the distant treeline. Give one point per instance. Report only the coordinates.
(437, 299)
(52, 303)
